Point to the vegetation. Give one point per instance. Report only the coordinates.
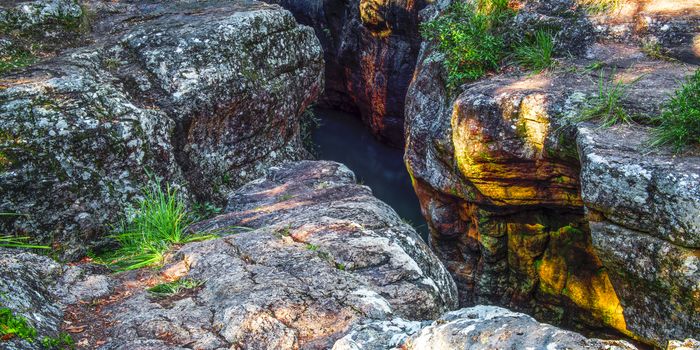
(537, 53)
(607, 104)
(308, 123)
(656, 51)
(203, 211)
(12, 326)
(595, 7)
(679, 122)
(176, 287)
(15, 59)
(23, 242)
(62, 342)
(159, 222)
(468, 37)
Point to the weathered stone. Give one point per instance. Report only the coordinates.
(370, 52)
(480, 327)
(205, 101)
(496, 167)
(307, 254)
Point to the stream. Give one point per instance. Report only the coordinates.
(343, 138)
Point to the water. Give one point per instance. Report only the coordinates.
(343, 138)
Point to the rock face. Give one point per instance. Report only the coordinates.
(480, 327)
(370, 52)
(306, 254)
(570, 222)
(205, 101)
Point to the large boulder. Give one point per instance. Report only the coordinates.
(205, 97)
(305, 254)
(565, 220)
(370, 49)
(479, 327)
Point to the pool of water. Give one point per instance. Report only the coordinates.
(343, 138)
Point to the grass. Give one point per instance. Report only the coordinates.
(15, 326)
(679, 122)
(467, 36)
(656, 51)
(607, 104)
(595, 7)
(159, 223)
(164, 290)
(23, 242)
(537, 52)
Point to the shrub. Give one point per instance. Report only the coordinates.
(468, 38)
(159, 222)
(536, 53)
(679, 122)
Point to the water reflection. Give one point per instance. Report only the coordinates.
(343, 138)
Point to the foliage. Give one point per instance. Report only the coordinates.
(12, 326)
(679, 122)
(468, 38)
(62, 342)
(175, 287)
(15, 59)
(159, 222)
(203, 211)
(308, 123)
(23, 242)
(595, 7)
(607, 104)
(537, 52)
(656, 51)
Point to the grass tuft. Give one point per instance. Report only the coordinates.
(159, 223)
(596, 7)
(164, 290)
(607, 104)
(19, 242)
(537, 52)
(679, 122)
(468, 38)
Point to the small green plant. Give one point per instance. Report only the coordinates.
(607, 104)
(23, 242)
(655, 51)
(203, 211)
(61, 342)
(679, 122)
(311, 247)
(15, 59)
(176, 287)
(12, 326)
(595, 7)
(159, 222)
(467, 36)
(537, 52)
(284, 197)
(340, 266)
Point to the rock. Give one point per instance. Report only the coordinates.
(688, 344)
(306, 254)
(206, 102)
(501, 170)
(480, 327)
(370, 49)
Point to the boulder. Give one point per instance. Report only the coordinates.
(532, 209)
(479, 327)
(204, 97)
(305, 253)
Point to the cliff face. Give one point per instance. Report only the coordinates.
(531, 209)
(205, 102)
(370, 49)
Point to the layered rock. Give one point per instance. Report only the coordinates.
(480, 327)
(305, 254)
(203, 97)
(370, 52)
(496, 167)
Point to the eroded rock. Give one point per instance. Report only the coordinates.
(205, 97)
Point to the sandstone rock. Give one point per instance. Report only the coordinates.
(206, 101)
(480, 327)
(496, 168)
(307, 253)
(370, 52)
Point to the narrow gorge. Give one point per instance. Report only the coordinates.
(350, 174)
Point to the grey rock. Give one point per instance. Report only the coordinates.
(479, 327)
(206, 102)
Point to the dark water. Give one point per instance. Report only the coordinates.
(343, 138)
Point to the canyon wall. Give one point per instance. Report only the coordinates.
(370, 49)
(567, 221)
(204, 102)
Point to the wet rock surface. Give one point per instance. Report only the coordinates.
(522, 205)
(479, 327)
(204, 96)
(370, 49)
